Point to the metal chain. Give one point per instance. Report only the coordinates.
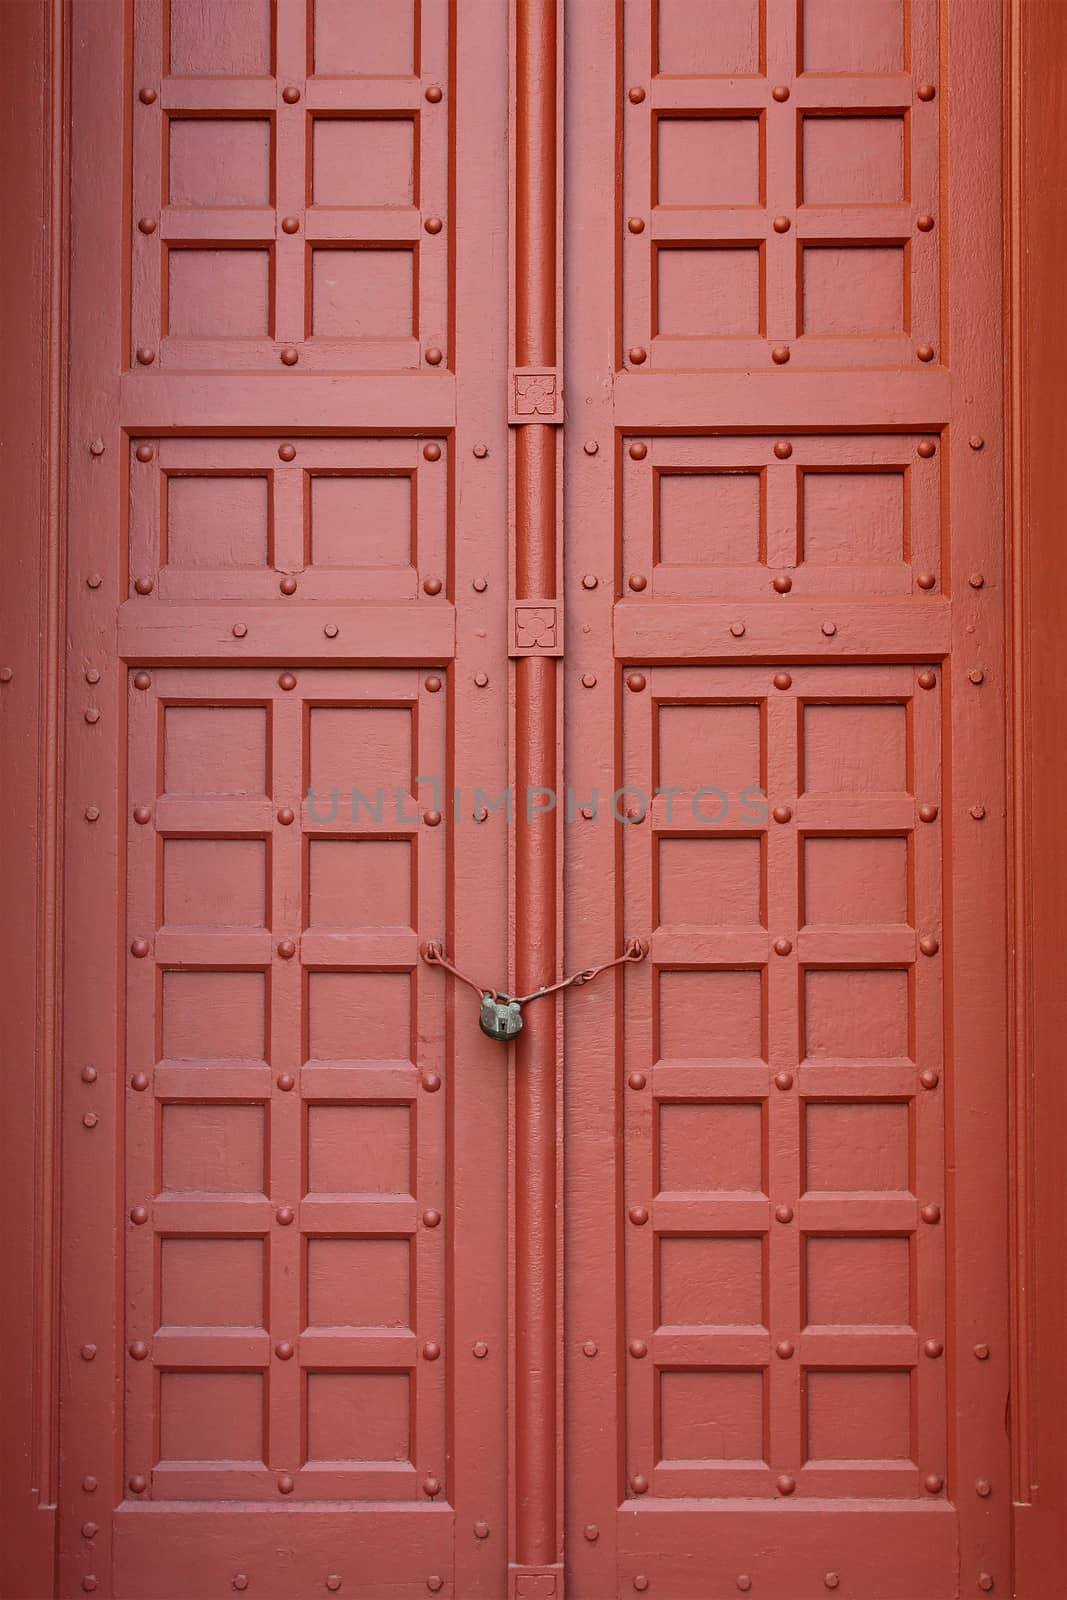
(434, 954)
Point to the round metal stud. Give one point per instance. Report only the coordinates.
(638, 450)
(240, 1581)
(144, 585)
(139, 949)
(286, 949)
(925, 222)
(983, 1488)
(639, 1483)
(89, 1484)
(978, 812)
(430, 1350)
(829, 629)
(783, 1080)
(783, 1213)
(286, 816)
(138, 1483)
(927, 813)
(590, 447)
(783, 449)
(481, 814)
(284, 1350)
(926, 91)
(138, 1350)
(638, 1349)
(743, 1582)
(286, 1484)
(929, 945)
(93, 581)
(435, 94)
(976, 675)
(929, 1078)
(285, 1215)
(981, 1352)
(90, 1119)
(481, 680)
(976, 441)
(926, 448)
(780, 93)
(431, 451)
(781, 224)
(926, 580)
(638, 355)
(139, 1081)
(985, 1582)
(780, 354)
(239, 630)
(590, 580)
(331, 630)
(333, 1582)
(737, 629)
(637, 1080)
(290, 94)
(432, 585)
(782, 583)
(480, 1350)
(92, 715)
(637, 582)
(782, 680)
(286, 1082)
(287, 452)
(141, 680)
(88, 1352)
(782, 947)
(89, 1074)
(97, 446)
(433, 225)
(925, 352)
(480, 585)
(786, 1483)
(92, 813)
(141, 814)
(636, 95)
(431, 1218)
(147, 96)
(591, 1532)
(91, 674)
(288, 585)
(976, 580)
(782, 813)
(933, 1348)
(289, 356)
(638, 1215)
(831, 1580)
(434, 1583)
(931, 1213)
(432, 684)
(431, 1082)
(287, 681)
(640, 1582)
(144, 452)
(926, 679)
(636, 224)
(589, 1348)
(432, 819)
(635, 682)
(784, 1349)
(89, 1530)
(290, 224)
(481, 1530)
(434, 356)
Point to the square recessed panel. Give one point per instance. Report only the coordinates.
(852, 161)
(359, 1016)
(216, 883)
(709, 38)
(363, 294)
(364, 38)
(858, 1416)
(209, 40)
(218, 294)
(853, 1281)
(707, 292)
(216, 522)
(359, 883)
(219, 161)
(711, 1281)
(358, 1417)
(213, 1015)
(211, 1416)
(213, 1149)
(859, 36)
(711, 1015)
(215, 750)
(853, 290)
(856, 1014)
(360, 747)
(708, 161)
(855, 881)
(362, 519)
(710, 882)
(359, 1149)
(856, 1144)
(708, 1145)
(358, 1283)
(853, 517)
(709, 519)
(855, 749)
(211, 1283)
(710, 747)
(363, 161)
(713, 1416)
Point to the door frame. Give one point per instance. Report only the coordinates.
(33, 276)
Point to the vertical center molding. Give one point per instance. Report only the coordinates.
(536, 641)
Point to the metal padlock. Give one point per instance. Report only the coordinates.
(500, 1019)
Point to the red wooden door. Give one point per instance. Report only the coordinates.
(701, 1287)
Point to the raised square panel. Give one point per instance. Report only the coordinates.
(214, 521)
(361, 519)
(710, 1145)
(218, 294)
(213, 1015)
(709, 746)
(856, 1144)
(855, 749)
(711, 1281)
(708, 161)
(855, 1013)
(861, 36)
(359, 1016)
(858, 1416)
(853, 161)
(710, 1015)
(360, 747)
(853, 517)
(216, 883)
(211, 1416)
(853, 1281)
(211, 1283)
(215, 750)
(358, 1283)
(359, 883)
(209, 40)
(710, 519)
(364, 38)
(715, 1415)
(363, 161)
(219, 162)
(213, 1149)
(710, 882)
(855, 881)
(359, 1149)
(853, 290)
(709, 38)
(708, 292)
(358, 1416)
(366, 293)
